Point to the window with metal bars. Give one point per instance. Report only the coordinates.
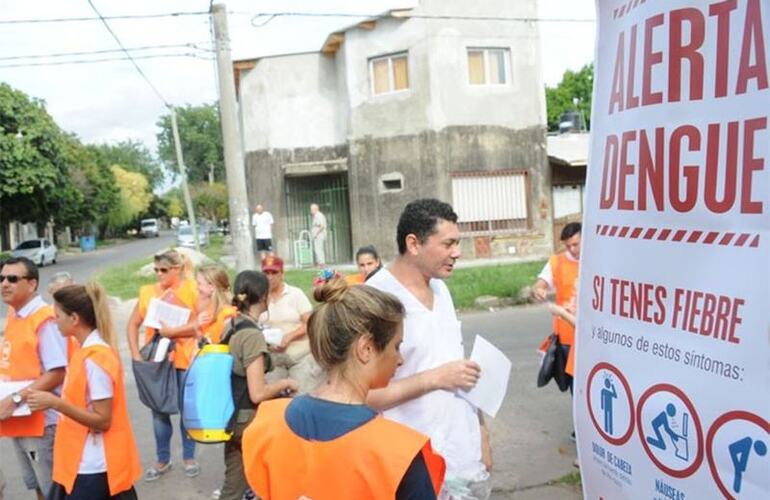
(491, 202)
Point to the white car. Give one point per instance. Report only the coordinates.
(40, 251)
(185, 238)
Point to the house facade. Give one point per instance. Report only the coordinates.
(444, 100)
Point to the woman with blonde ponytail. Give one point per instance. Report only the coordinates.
(95, 455)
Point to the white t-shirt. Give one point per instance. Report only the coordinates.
(100, 386)
(319, 226)
(263, 225)
(51, 347)
(432, 338)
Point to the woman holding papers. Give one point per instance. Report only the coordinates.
(251, 360)
(329, 444)
(213, 302)
(94, 455)
(176, 288)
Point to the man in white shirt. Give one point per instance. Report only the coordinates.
(19, 280)
(318, 231)
(263, 231)
(422, 392)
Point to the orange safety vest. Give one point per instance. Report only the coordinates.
(565, 276)
(120, 453)
(20, 360)
(354, 279)
(184, 295)
(368, 462)
(214, 329)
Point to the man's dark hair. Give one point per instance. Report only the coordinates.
(420, 218)
(30, 267)
(570, 230)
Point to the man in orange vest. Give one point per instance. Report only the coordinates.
(33, 350)
(561, 274)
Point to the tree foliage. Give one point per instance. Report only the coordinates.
(201, 137)
(135, 197)
(560, 98)
(132, 156)
(209, 200)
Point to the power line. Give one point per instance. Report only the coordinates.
(272, 15)
(100, 18)
(106, 51)
(107, 59)
(106, 25)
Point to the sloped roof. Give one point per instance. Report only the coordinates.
(570, 149)
(335, 39)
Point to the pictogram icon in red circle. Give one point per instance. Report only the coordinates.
(629, 432)
(690, 470)
(719, 422)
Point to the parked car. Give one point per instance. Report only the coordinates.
(149, 228)
(40, 251)
(185, 238)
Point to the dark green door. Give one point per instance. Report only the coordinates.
(330, 192)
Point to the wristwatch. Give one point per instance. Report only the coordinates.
(16, 398)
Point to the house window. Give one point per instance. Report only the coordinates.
(491, 202)
(488, 66)
(389, 73)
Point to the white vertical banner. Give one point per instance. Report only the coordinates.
(672, 382)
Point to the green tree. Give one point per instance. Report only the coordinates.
(560, 98)
(132, 156)
(30, 167)
(201, 138)
(135, 197)
(209, 200)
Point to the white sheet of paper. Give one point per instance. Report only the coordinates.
(169, 314)
(490, 390)
(273, 335)
(8, 388)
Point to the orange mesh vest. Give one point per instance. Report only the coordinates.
(20, 360)
(123, 466)
(565, 275)
(354, 279)
(214, 329)
(184, 295)
(366, 463)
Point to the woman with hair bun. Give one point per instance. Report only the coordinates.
(329, 444)
(94, 455)
(251, 360)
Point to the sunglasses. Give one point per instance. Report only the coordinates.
(162, 270)
(12, 278)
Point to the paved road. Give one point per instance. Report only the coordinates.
(530, 435)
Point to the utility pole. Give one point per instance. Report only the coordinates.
(231, 138)
(183, 174)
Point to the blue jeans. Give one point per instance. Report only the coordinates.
(161, 426)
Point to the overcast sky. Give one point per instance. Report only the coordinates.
(109, 102)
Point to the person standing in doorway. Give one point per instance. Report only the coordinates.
(318, 231)
(262, 220)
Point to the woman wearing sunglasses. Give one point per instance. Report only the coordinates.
(176, 287)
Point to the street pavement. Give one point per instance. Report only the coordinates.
(530, 435)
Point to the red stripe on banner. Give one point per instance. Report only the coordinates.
(636, 2)
(630, 6)
(615, 13)
(598, 228)
(755, 242)
(650, 233)
(710, 237)
(742, 239)
(636, 232)
(694, 236)
(623, 232)
(614, 230)
(726, 238)
(664, 234)
(679, 235)
(604, 229)
(622, 10)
